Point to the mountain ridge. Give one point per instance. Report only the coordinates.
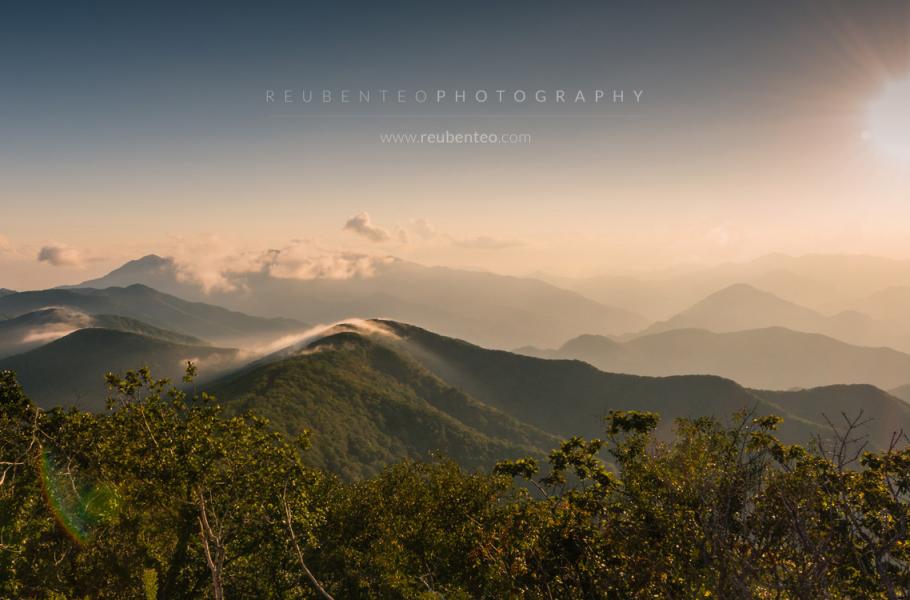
(741, 307)
(493, 309)
(33, 329)
(770, 357)
(142, 303)
(70, 370)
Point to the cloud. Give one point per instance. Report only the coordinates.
(214, 264)
(5, 244)
(296, 343)
(60, 255)
(302, 261)
(484, 242)
(363, 226)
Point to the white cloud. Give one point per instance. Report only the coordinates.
(303, 261)
(215, 265)
(363, 226)
(60, 255)
(5, 244)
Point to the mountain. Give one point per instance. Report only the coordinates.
(569, 397)
(769, 358)
(70, 370)
(368, 405)
(827, 283)
(6, 292)
(740, 307)
(823, 282)
(150, 270)
(560, 397)
(142, 303)
(652, 299)
(892, 303)
(37, 328)
(374, 392)
(886, 413)
(494, 310)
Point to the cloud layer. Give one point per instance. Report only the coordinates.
(216, 265)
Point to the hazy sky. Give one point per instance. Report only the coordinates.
(126, 130)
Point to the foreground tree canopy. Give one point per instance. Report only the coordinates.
(164, 496)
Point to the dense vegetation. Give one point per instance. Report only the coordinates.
(164, 496)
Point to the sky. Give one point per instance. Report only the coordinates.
(760, 127)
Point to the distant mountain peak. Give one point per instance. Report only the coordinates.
(743, 295)
(149, 261)
(738, 289)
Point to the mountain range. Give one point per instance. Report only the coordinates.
(372, 392)
(70, 371)
(362, 375)
(142, 303)
(37, 328)
(769, 358)
(494, 310)
(741, 307)
(828, 283)
(378, 391)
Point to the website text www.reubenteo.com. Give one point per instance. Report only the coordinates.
(450, 137)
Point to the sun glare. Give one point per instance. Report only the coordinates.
(888, 122)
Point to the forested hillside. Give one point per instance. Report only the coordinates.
(368, 406)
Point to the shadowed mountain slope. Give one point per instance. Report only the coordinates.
(142, 303)
(37, 328)
(70, 371)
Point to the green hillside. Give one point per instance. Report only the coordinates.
(368, 406)
(70, 371)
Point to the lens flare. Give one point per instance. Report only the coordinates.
(78, 506)
(888, 124)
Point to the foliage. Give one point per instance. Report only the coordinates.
(177, 499)
(197, 498)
